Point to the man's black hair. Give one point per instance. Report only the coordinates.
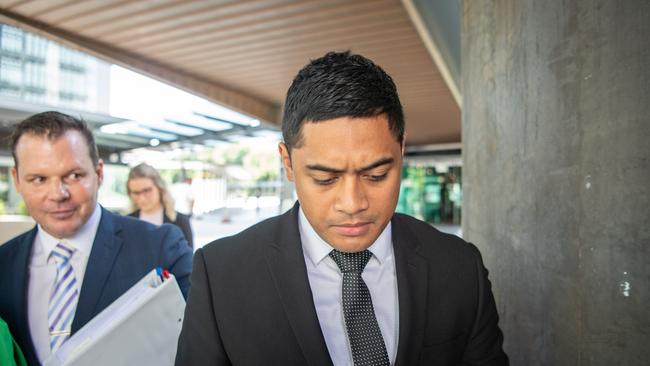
(53, 125)
(340, 84)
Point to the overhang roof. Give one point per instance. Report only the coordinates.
(244, 54)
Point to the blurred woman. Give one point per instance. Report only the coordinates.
(152, 200)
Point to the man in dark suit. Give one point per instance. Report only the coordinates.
(80, 257)
(340, 278)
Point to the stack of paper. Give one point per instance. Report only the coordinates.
(139, 328)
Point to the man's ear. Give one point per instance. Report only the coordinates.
(100, 172)
(14, 175)
(403, 144)
(286, 160)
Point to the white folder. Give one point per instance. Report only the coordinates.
(141, 327)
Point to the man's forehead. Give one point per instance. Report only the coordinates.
(353, 166)
(70, 136)
(54, 166)
(340, 157)
(31, 137)
(38, 151)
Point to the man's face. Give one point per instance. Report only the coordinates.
(347, 174)
(58, 181)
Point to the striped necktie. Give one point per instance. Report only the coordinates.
(63, 300)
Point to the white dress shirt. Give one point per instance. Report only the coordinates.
(326, 279)
(42, 274)
(156, 217)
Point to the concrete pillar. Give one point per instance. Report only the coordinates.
(556, 174)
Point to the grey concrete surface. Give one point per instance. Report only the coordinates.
(556, 174)
(226, 222)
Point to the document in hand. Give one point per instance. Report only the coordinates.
(141, 327)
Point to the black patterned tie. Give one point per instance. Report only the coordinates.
(367, 344)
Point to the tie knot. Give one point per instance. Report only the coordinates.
(62, 253)
(351, 262)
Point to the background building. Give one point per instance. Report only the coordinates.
(39, 71)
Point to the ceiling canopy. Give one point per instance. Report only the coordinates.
(244, 54)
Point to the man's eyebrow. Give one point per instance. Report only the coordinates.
(68, 172)
(370, 166)
(324, 168)
(376, 164)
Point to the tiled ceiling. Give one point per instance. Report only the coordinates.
(244, 54)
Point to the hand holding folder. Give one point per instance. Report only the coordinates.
(141, 327)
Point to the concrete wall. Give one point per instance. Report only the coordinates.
(556, 144)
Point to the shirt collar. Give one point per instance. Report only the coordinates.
(317, 249)
(82, 240)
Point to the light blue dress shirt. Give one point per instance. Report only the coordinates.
(42, 275)
(325, 280)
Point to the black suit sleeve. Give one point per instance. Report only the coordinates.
(176, 256)
(200, 342)
(183, 222)
(485, 342)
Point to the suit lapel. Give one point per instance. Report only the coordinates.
(411, 271)
(105, 248)
(287, 265)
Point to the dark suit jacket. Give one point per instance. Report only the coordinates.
(251, 304)
(182, 221)
(124, 251)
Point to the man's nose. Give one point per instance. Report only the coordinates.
(59, 191)
(351, 197)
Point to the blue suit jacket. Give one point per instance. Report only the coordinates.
(124, 250)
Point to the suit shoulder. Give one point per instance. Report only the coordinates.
(13, 244)
(182, 218)
(131, 222)
(434, 241)
(144, 229)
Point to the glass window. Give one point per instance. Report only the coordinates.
(12, 39)
(35, 46)
(10, 71)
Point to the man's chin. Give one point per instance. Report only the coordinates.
(351, 246)
(61, 231)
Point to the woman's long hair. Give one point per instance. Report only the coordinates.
(147, 171)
